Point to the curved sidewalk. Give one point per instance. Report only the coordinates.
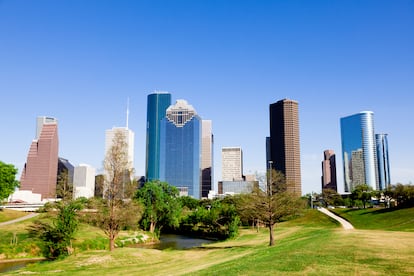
(19, 219)
(345, 224)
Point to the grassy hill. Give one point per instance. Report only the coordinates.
(6, 215)
(379, 219)
(309, 245)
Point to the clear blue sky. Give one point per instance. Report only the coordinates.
(79, 61)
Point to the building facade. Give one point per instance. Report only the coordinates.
(157, 104)
(39, 174)
(359, 151)
(83, 181)
(283, 147)
(206, 158)
(231, 164)
(329, 171)
(384, 178)
(129, 140)
(180, 149)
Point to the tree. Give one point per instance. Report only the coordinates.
(273, 205)
(8, 182)
(331, 197)
(112, 214)
(64, 188)
(162, 206)
(58, 235)
(99, 185)
(362, 192)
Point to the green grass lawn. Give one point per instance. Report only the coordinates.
(309, 245)
(6, 215)
(379, 218)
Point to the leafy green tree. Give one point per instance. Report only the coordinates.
(162, 206)
(8, 182)
(331, 197)
(362, 192)
(58, 235)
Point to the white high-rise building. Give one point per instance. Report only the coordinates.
(232, 164)
(83, 181)
(129, 139)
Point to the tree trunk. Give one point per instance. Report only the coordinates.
(152, 227)
(111, 242)
(271, 236)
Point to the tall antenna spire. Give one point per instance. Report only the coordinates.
(127, 113)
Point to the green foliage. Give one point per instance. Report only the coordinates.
(162, 206)
(331, 197)
(57, 236)
(403, 194)
(8, 182)
(362, 192)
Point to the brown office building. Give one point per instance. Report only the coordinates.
(40, 171)
(329, 171)
(283, 149)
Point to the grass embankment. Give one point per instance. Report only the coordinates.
(310, 245)
(379, 218)
(6, 215)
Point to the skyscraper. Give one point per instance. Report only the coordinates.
(180, 149)
(39, 174)
(329, 171)
(231, 164)
(206, 158)
(283, 143)
(157, 104)
(359, 151)
(129, 139)
(83, 181)
(384, 178)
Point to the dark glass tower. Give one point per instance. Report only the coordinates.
(181, 148)
(157, 104)
(283, 149)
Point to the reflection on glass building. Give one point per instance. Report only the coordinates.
(157, 104)
(359, 151)
(180, 149)
(384, 178)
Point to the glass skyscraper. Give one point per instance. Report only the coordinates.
(384, 178)
(359, 150)
(180, 149)
(157, 104)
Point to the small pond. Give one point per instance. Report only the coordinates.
(9, 265)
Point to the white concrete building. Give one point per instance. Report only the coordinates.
(231, 164)
(83, 181)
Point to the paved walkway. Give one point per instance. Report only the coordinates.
(345, 224)
(19, 219)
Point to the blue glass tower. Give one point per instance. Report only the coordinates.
(384, 178)
(157, 104)
(180, 148)
(359, 151)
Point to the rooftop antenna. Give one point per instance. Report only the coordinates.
(127, 113)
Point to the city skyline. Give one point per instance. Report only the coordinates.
(230, 61)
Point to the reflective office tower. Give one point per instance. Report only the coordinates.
(39, 174)
(83, 181)
(359, 151)
(283, 149)
(231, 164)
(384, 179)
(180, 149)
(206, 158)
(157, 104)
(329, 171)
(129, 140)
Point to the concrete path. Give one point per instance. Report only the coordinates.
(19, 219)
(345, 224)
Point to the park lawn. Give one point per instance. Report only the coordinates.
(379, 218)
(6, 214)
(319, 249)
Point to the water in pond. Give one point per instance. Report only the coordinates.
(16, 264)
(178, 242)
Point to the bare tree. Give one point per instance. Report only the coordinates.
(64, 187)
(117, 178)
(274, 204)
